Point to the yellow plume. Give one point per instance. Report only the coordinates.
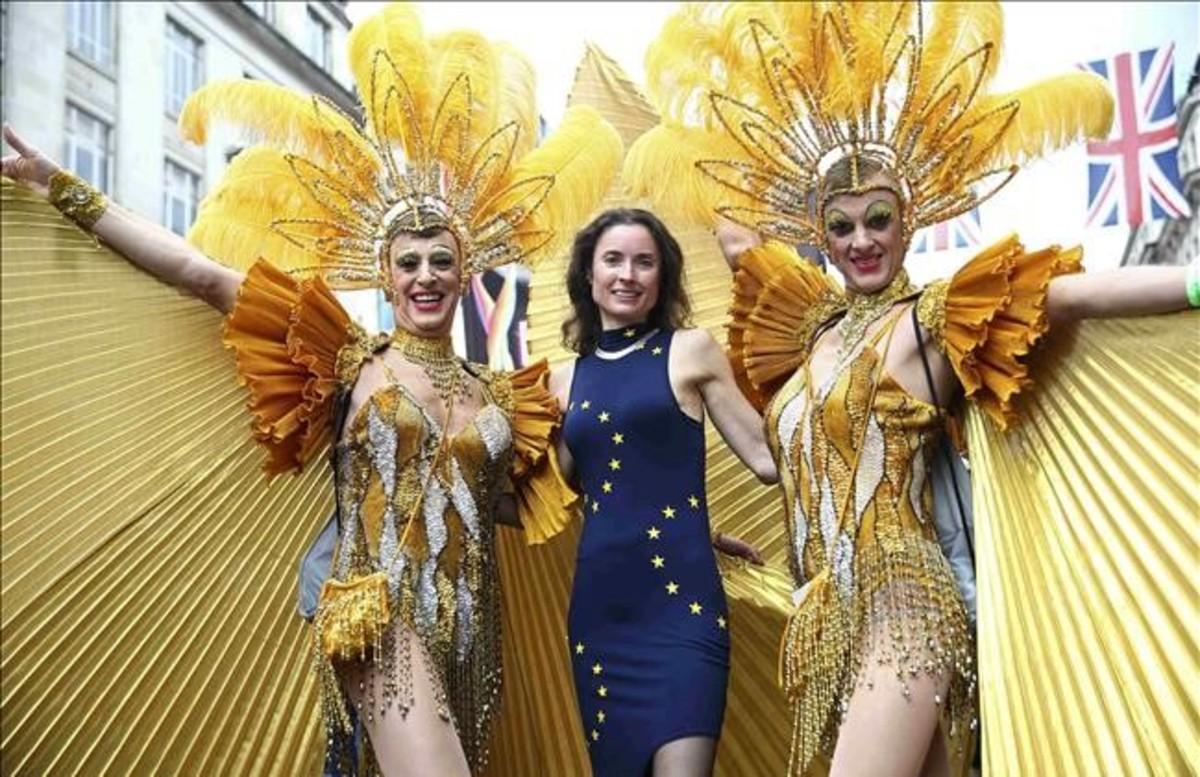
(519, 99)
(233, 225)
(660, 167)
(579, 161)
(959, 28)
(395, 31)
(455, 56)
(1051, 114)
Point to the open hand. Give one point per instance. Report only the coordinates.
(28, 166)
(738, 548)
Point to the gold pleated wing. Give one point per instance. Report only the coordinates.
(147, 570)
(1087, 513)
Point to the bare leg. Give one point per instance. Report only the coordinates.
(887, 735)
(413, 745)
(687, 757)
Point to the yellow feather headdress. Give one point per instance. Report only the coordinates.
(760, 100)
(447, 139)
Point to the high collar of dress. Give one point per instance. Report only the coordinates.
(622, 337)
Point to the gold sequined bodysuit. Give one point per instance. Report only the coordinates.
(853, 453)
(854, 456)
(297, 350)
(443, 583)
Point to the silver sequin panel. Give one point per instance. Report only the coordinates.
(791, 416)
(382, 438)
(466, 610)
(494, 430)
(464, 503)
(434, 511)
(870, 467)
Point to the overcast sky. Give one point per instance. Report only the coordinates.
(1046, 203)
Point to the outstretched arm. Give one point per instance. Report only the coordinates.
(1126, 291)
(150, 246)
(704, 365)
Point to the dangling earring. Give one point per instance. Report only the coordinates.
(388, 294)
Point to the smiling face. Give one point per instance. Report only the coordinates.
(424, 275)
(626, 268)
(865, 237)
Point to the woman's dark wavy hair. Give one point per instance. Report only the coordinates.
(581, 332)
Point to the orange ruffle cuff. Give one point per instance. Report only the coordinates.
(989, 316)
(545, 502)
(779, 300)
(287, 336)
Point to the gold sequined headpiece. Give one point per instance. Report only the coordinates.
(764, 98)
(447, 139)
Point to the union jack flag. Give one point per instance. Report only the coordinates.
(1134, 175)
(959, 232)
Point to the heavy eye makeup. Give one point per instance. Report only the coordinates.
(439, 260)
(838, 224)
(879, 215)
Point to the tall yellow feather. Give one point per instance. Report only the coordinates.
(1051, 114)
(396, 30)
(660, 167)
(519, 99)
(581, 156)
(233, 225)
(455, 53)
(957, 28)
(269, 113)
(682, 64)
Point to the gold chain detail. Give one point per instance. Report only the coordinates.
(77, 199)
(435, 356)
(865, 309)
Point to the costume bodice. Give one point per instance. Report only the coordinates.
(854, 451)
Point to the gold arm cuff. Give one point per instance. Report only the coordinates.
(77, 199)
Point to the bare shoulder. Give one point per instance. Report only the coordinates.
(696, 343)
(560, 380)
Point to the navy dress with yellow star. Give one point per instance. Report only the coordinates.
(648, 621)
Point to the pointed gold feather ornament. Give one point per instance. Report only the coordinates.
(762, 99)
(447, 140)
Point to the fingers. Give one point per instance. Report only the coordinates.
(17, 142)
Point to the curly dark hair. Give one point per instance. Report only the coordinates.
(581, 332)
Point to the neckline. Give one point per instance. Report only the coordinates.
(621, 337)
(631, 347)
(431, 424)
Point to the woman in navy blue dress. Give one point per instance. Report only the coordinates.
(648, 625)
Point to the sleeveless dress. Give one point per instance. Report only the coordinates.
(648, 622)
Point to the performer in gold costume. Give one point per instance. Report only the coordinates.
(441, 181)
(849, 127)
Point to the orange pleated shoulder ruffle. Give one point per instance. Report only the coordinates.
(988, 317)
(779, 300)
(292, 342)
(545, 502)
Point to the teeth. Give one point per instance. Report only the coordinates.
(427, 297)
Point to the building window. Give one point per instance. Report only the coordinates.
(260, 8)
(181, 196)
(185, 66)
(89, 148)
(90, 30)
(318, 40)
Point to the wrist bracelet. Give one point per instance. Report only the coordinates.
(1193, 284)
(77, 199)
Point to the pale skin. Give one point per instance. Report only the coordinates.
(424, 274)
(625, 281)
(884, 734)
